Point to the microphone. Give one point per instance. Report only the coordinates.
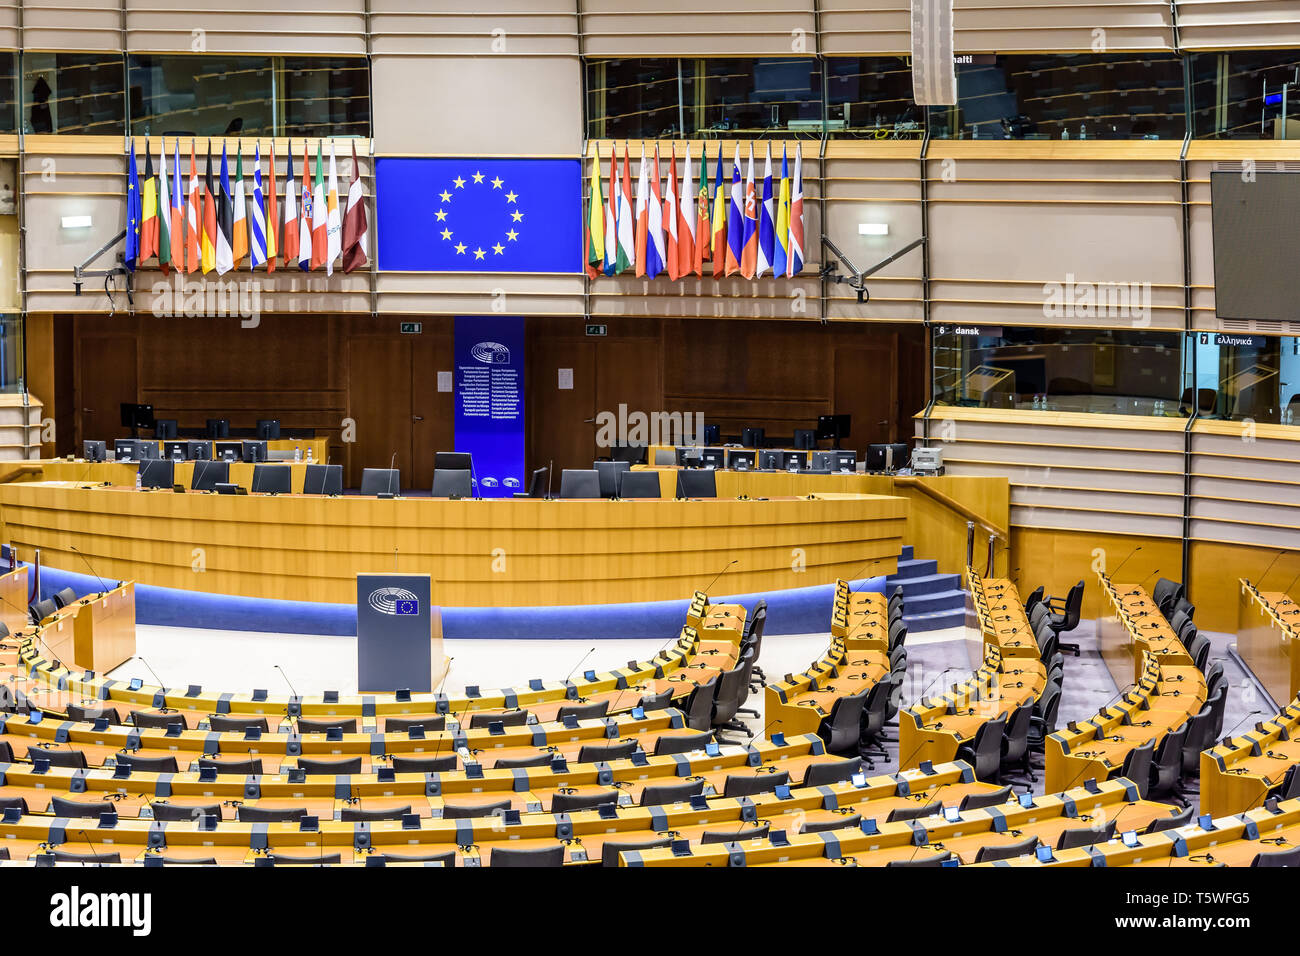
(473, 477)
(1237, 725)
(392, 473)
(860, 570)
(550, 473)
(93, 851)
(946, 670)
(103, 588)
(1143, 582)
(1292, 584)
(1270, 567)
(286, 679)
(755, 733)
(161, 685)
(1124, 562)
(988, 571)
(718, 575)
(579, 664)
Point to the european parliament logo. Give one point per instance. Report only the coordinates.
(479, 215)
(394, 601)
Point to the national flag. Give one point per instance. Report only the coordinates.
(595, 224)
(225, 219)
(148, 209)
(794, 264)
(719, 242)
(208, 240)
(257, 218)
(686, 220)
(766, 219)
(177, 232)
(749, 249)
(164, 211)
(319, 213)
(193, 217)
(356, 224)
(131, 254)
(780, 250)
(305, 215)
(272, 215)
(626, 224)
(289, 238)
(735, 218)
(654, 254)
(703, 227)
(239, 212)
(672, 261)
(610, 266)
(333, 216)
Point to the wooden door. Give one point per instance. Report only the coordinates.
(433, 413)
(558, 430)
(106, 377)
(866, 387)
(379, 403)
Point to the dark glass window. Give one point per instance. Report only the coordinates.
(871, 98)
(1125, 372)
(77, 93)
(1242, 376)
(250, 96)
(8, 92)
(1246, 95)
(11, 353)
(754, 97)
(324, 96)
(634, 99)
(1070, 96)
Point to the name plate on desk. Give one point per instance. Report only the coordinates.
(396, 628)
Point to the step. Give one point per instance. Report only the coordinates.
(914, 567)
(923, 584)
(934, 620)
(939, 601)
(907, 553)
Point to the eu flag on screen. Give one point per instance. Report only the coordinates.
(479, 215)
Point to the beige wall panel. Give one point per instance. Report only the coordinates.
(687, 28)
(415, 293)
(73, 25)
(1107, 521)
(1026, 477)
(1240, 489)
(1229, 24)
(1098, 499)
(1208, 529)
(483, 106)
(1068, 456)
(1048, 434)
(285, 27)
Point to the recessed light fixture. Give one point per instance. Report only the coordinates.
(76, 222)
(873, 229)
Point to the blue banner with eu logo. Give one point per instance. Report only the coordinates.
(479, 215)
(489, 355)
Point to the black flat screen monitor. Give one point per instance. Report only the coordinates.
(712, 434)
(833, 427)
(878, 458)
(741, 460)
(753, 437)
(712, 458)
(268, 429)
(230, 450)
(135, 415)
(164, 428)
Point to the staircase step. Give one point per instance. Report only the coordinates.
(907, 553)
(938, 601)
(922, 584)
(915, 567)
(934, 620)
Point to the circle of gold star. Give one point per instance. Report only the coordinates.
(446, 204)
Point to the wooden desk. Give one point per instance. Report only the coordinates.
(558, 552)
(14, 596)
(95, 633)
(1268, 639)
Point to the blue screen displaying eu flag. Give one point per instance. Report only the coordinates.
(479, 215)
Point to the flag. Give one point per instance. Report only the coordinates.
(333, 217)
(610, 265)
(132, 251)
(305, 215)
(642, 215)
(672, 255)
(164, 211)
(208, 241)
(289, 238)
(780, 253)
(319, 213)
(193, 217)
(595, 225)
(257, 219)
(654, 253)
(749, 247)
(239, 212)
(766, 219)
(356, 224)
(626, 226)
(686, 220)
(794, 264)
(225, 219)
(272, 215)
(735, 218)
(148, 209)
(719, 221)
(177, 231)
(703, 228)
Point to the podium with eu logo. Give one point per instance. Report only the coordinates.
(399, 634)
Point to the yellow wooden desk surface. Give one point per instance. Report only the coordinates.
(504, 552)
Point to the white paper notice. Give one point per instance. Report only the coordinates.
(444, 381)
(566, 378)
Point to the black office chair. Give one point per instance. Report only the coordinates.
(208, 474)
(842, 729)
(754, 830)
(1218, 702)
(1015, 746)
(323, 480)
(828, 771)
(1206, 399)
(432, 763)
(568, 802)
(638, 484)
(699, 707)
(543, 759)
(663, 794)
(272, 479)
(510, 718)
(243, 768)
(330, 767)
(697, 483)
(649, 702)
(1137, 766)
(76, 809)
(154, 721)
(1290, 785)
(1085, 836)
(41, 610)
(227, 724)
(608, 474)
(686, 743)
(381, 481)
(1166, 595)
(513, 856)
(1277, 858)
(473, 811)
(583, 711)
(984, 753)
(311, 725)
(1007, 851)
(182, 813)
(358, 814)
(452, 483)
(1063, 615)
(938, 859)
(579, 483)
(1200, 730)
(985, 798)
(1214, 678)
(164, 429)
(157, 473)
(90, 714)
(875, 714)
(749, 784)
(1175, 820)
(403, 724)
(138, 764)
(1035, 598)
(71, 759)
(603, 753)
(727, 698)
(610, 849)
(1166, 774)
(63, 597)
(897, 635)
(1043, 722)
